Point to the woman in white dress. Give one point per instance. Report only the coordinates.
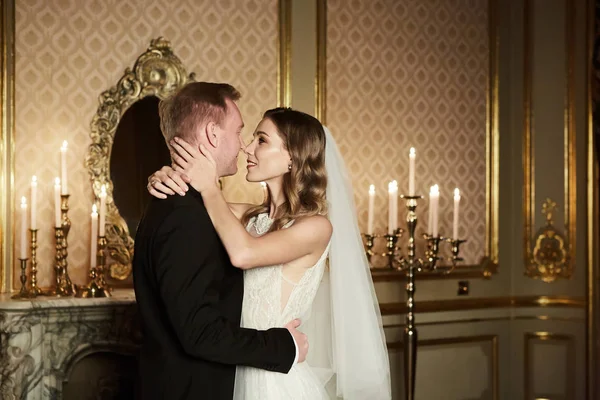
(283, 244)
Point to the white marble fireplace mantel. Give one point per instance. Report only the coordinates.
(42, 339)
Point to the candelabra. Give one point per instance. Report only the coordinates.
(64, 286)
(411, 264)
(97, 286)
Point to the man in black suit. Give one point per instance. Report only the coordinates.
(188, 293)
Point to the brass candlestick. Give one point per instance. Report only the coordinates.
(34, 290)
(23, 293)
(97, 286)
(64, 286)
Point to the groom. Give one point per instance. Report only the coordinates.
(188, 293)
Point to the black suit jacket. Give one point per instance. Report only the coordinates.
(190, 300)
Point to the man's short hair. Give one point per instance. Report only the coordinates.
(196, 103)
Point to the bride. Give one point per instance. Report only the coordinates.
(302, 254)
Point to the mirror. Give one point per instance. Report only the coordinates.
(127, 119)
(138, 150)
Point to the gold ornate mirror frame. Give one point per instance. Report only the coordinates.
(157, 72)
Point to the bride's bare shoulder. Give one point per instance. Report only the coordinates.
(238, 209)
(317, 225)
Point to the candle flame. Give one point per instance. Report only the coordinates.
(103, 190)
(23, 202)
(56, 181)
(412, 152)
(94, 209)
(456, 193)
(64, 146)
(372, 189)
(435, 189)
(34, 180)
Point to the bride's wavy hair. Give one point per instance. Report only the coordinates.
(305, 184)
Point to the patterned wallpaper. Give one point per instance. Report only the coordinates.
(412, 73)
(69, 51)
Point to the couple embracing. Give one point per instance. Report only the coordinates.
(230, 295)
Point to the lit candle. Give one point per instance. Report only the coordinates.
(264, 190)
(395, 203)
(23, 227)
(411, 171)
(57, 219)
(390, 208)
(430, 218)
(63, 167)
(102, 209)
(435, 197)
(371, 214)
(94, 242)
(455, 222)
(33, 222)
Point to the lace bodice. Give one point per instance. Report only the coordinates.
(271, 299)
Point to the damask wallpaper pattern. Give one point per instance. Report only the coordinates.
(69, 51)
(412, 73)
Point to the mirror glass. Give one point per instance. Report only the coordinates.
(138, 150)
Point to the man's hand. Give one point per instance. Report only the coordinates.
(300, 338)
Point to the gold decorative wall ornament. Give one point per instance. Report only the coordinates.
(157, 72)
(550, 259)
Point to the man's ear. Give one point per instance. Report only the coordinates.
(212, 134)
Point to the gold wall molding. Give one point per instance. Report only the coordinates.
(156, 72)
(536, 267)
(284, 55)
(321, 76)
(429, 306)
(486, 270)
(7, 140)
(492, 339)
(593, 240)
(549, 258)
(493, 319)
(570, 367)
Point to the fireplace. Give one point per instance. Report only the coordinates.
(69, 348)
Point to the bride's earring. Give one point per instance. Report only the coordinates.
(290, 167)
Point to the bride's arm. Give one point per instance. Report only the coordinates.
(166, 182)
(306, 236)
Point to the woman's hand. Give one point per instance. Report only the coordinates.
(198, 166)
(167, 181)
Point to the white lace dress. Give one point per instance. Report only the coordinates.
(272, 300)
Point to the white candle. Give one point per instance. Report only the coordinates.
(430, 218)
(23, 227)
(33, 222)
(435, 197)
(63, 168)
(102, 209)
(371, 215)
(57, 219)
(411, 171)
(395, 203)
(455, 222)
(94, 241)
(390, 208)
